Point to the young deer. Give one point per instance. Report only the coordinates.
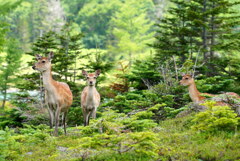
(195, 95)
(58, 95)
(90, 98)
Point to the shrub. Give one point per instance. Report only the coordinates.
(143, 70)
(216, 118)
(75, 116)
(131, 100)
(174, 95)
(11, 117)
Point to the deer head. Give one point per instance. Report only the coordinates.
(187, 80)
(91, 77)
(43, 63)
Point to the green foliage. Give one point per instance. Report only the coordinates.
(216, 84)
(145, 105)
(173, 95)
(31, 113)
(131, 29)
(172, 112)
(93, 19)
(75, 116)
(6, 7)
(215, 119)
(121, 83)
(143, 73)
(199, 30)
(131, 101)
(114, 137)
(10, 117)
(115, 123)
(9, 68)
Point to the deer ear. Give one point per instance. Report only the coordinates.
(183, 74)
(97, 72)
(50, 56)
(84, 73)
(38, 56)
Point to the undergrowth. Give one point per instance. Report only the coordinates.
(117, 136)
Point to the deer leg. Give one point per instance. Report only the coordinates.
(57, 115)
(51, 116)
(84, 116)
(94, 113)
(89, 114)
(86, 119)
(64, 122)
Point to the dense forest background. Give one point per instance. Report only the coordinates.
(142, 48)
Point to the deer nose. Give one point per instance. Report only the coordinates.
(91, 82)
(34, 67)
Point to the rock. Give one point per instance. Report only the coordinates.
(197, 107)
(29, 153)
(62, 149)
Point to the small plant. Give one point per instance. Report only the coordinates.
(216, 118)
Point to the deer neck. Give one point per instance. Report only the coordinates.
(90, 93)
(193, 92)
(47, 80)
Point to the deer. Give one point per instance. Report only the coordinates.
(90, 98)
(196, 96)
(58, 95)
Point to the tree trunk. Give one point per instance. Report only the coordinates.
(130, 59)
(75, 67)
(204, 32)
(4, 97)
(212, 70)
(212, 34)
(5, 90)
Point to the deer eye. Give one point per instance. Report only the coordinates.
(87, 77)
(186, 78)
(94, 77)
(43, 61)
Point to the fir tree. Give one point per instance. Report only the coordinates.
(198, 26)
(69, 52)
(9, 68)
(217, 21)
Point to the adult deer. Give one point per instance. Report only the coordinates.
(58, 95)
(195, 95)
(90, 98)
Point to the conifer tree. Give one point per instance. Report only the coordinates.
(198, 26)
(9, 68)
(217, 21)
(69, 52)
(176, 35)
